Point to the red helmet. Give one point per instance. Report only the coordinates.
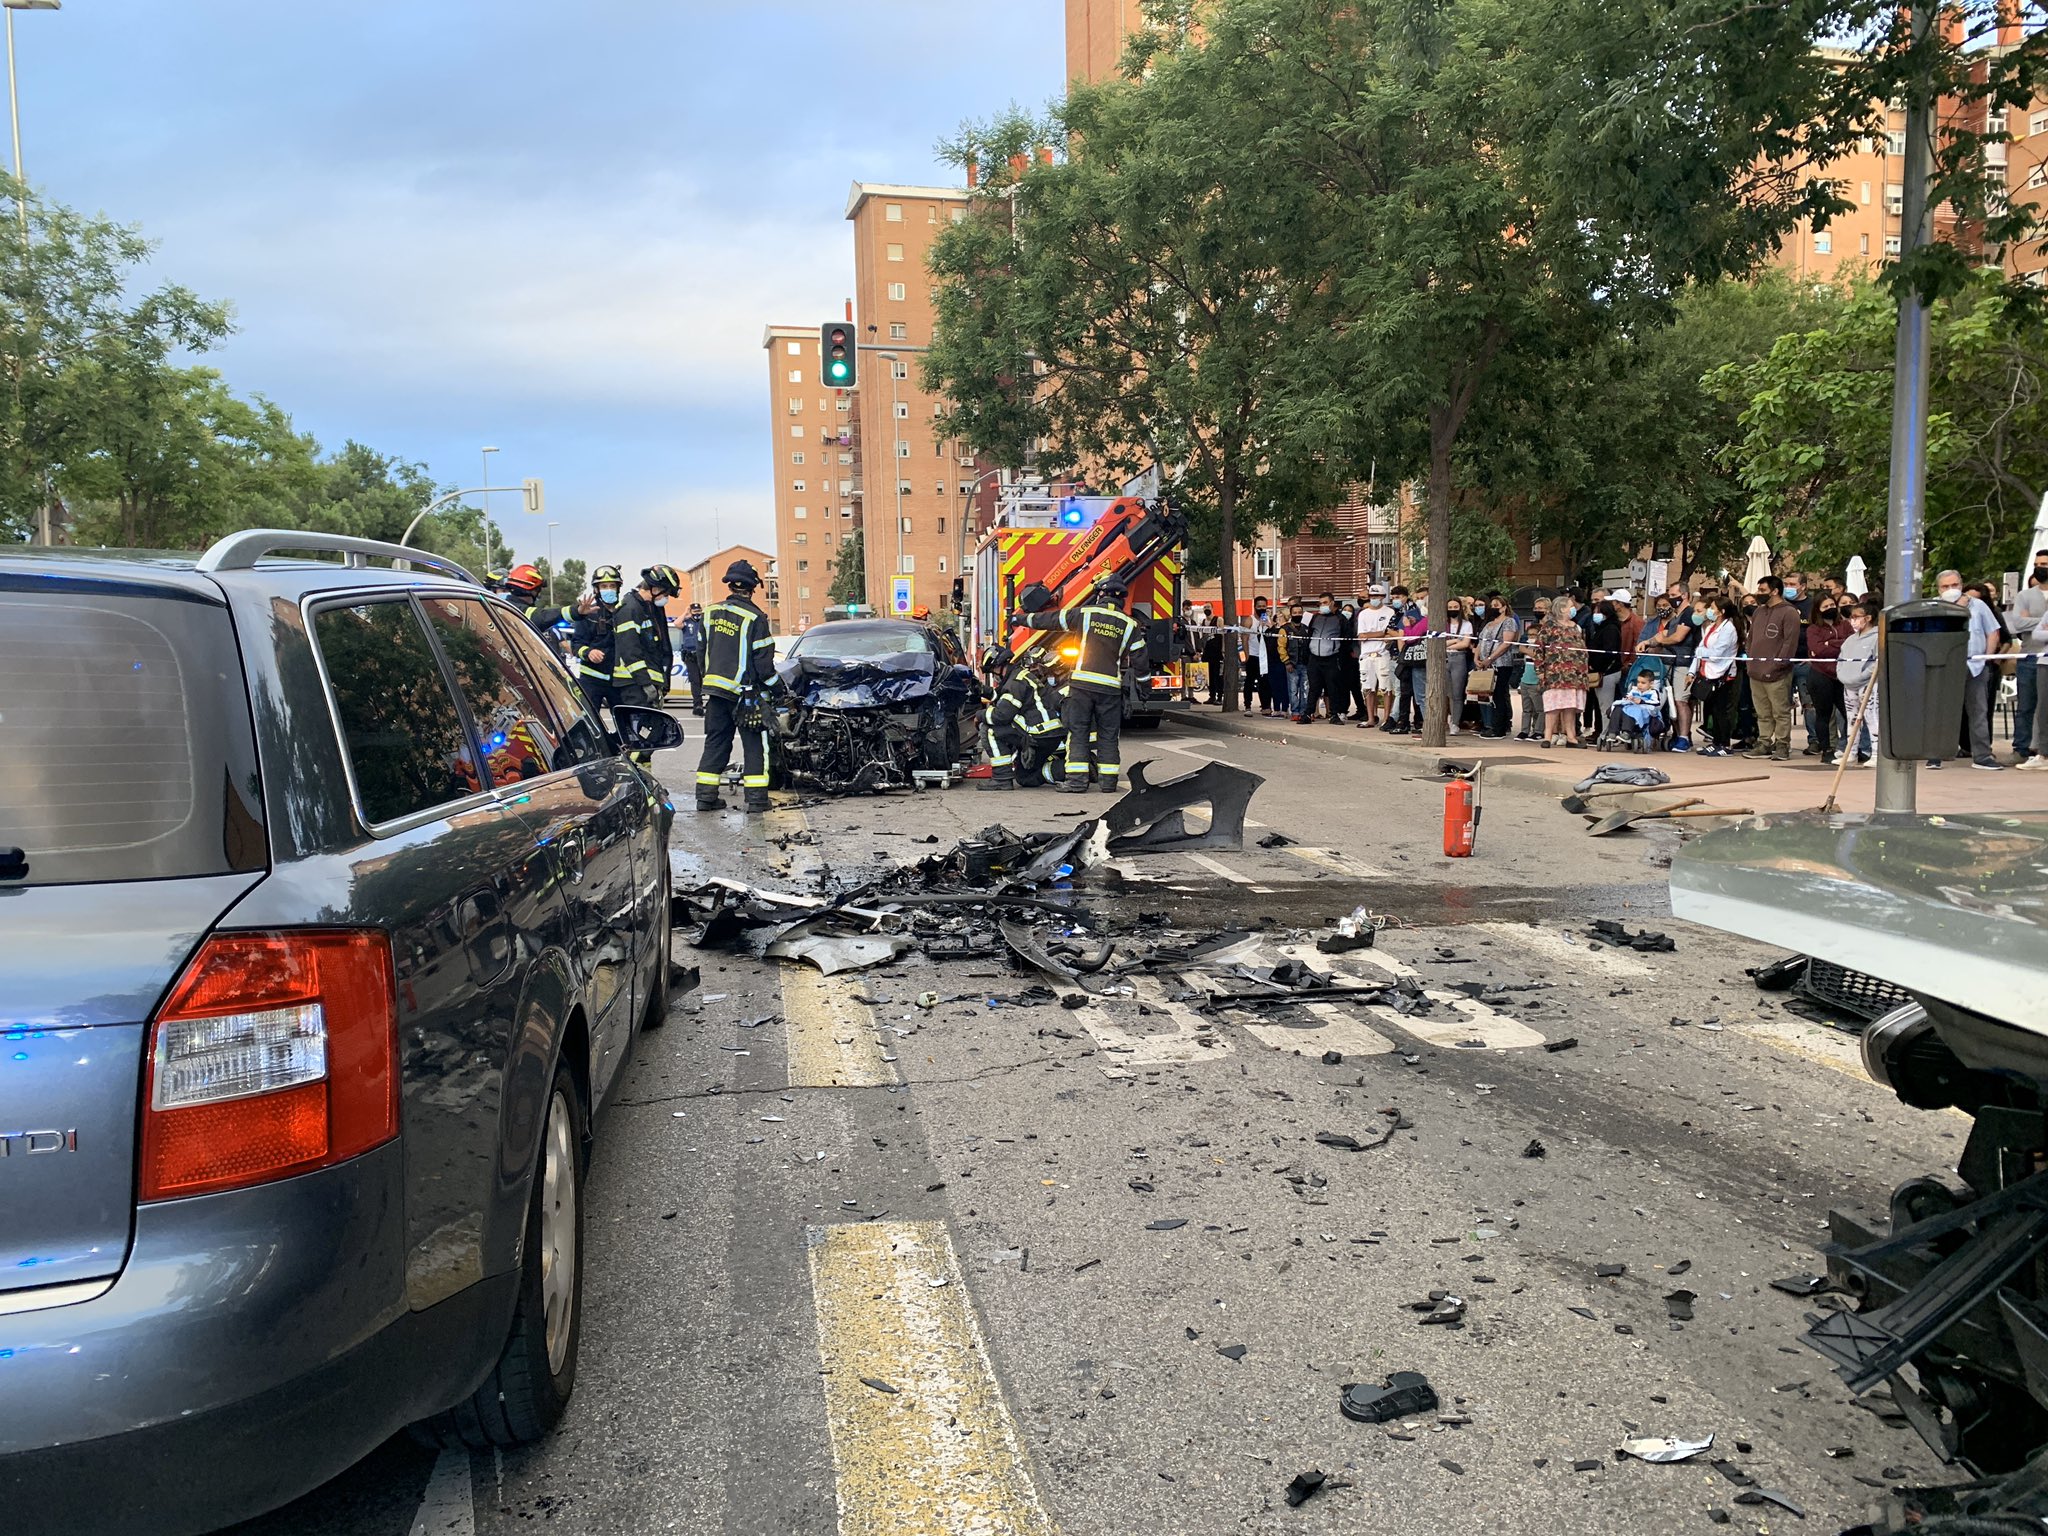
(524, 578)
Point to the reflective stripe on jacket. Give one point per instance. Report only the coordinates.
(739, 651)
(1107, 635)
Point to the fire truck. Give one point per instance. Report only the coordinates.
(1048, 552)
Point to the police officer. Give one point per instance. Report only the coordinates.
(690, 649)
(1094, 709)
(1023, 726)
(592, 641)
(739, 674)
(640, 651)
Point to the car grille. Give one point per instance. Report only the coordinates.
(1851, 991)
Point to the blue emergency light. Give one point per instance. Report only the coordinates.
(1073, 513)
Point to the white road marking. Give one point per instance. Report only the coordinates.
(1554, 946)
(1335, 862)
(1235, 877)
(1339, 1031)
(1473, 1021)
(1146, 1048)
(448, 1507)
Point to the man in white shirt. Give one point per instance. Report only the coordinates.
(2023, 618)
(1983, 677)
(1375, 662)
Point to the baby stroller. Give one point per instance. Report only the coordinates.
(1638, 721)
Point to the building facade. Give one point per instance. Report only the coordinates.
(811, 438)
(706, 580)
(919, 490)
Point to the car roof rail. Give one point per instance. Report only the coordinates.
(241, 551)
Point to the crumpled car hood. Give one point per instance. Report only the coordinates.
(877, 682)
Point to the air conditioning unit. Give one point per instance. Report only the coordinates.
(967, 461)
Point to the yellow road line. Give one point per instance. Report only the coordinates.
(832, 1043)
(939, 1456)
(1335, 862)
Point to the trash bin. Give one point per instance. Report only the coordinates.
(1921, 678)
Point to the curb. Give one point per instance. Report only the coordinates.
(1510, 777)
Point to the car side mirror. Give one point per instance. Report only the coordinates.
(643, 728)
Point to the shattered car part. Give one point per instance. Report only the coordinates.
(1663, 1448)
(1608, 931)
(1617, 773)
(1148, 819)
(1304, 1487)
(833, 953)
(1402, 1395)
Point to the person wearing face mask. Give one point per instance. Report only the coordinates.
(1251, 655)
(1375, 666)
(1273, 659)
(1557, 650)
(1325, 652)
(1499, 659)
(1714, 674)
(591, 641)
(2028, 609)
(690, 651)
(1458, 653)
(1824, 637)
(1350, 701)
(1294, 643)
(1983, 679)
(1856, 674)
(641, 656)
(1773, 642)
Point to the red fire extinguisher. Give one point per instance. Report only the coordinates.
(1461, 816)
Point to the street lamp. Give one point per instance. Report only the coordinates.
(551, 560)
(14, 103)
(896, 432)
(487, 502)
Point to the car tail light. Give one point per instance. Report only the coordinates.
(275, 1054)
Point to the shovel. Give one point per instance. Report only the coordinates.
(1621, 821)
(1576, 803)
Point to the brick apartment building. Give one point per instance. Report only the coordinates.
(811, 428)
(705, 581)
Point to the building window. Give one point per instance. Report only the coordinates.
(798, 486)
(904, 487)
(898, 331)
(1863, 245)
(1994, 120)
(796, 407)
(800, 538)
(907, 566)
(1895, 142)
(803, 565)
(796, 431)
(1535, 548)
(899, 369)
(1891, 245)
(796, 349)
(1866, 193)
(1265, 565)
(2037, 176)
(803, 512)
(1823, 242)
(966, 487)
(796, 375)
(796, 458)
(906, 525)
(2037, 122)
(942, 521)
(1381, 556)
(897, 292)
(843, 404)
(1994, 156)
(942, 565)
(895, 253)
(902, 449)
(959, 215)
(1895, 200)
(903, 410)
(893, 212)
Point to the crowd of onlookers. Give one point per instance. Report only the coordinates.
(1704, 667)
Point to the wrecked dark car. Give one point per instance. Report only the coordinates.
(873, 704)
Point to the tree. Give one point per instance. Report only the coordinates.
(68, 303)
(849, 572)
(572, 580)
(1816, 416)
(1130, 299)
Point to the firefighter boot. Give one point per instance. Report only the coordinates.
(708, 799)
(1073, 786)
(999, 779)
(757, 800)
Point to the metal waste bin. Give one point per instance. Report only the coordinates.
(1922, 675)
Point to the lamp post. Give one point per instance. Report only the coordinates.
(896, 436)
(551, 562)
(14, 104)
(487, 508)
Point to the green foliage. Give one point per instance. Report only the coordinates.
(572, 580)
(849, 572)
(1815, 417)
(1482, 551)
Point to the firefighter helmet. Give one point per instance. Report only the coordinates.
(663, 580)
(1113, 586)
(741, 573)
(606, 574)
(525, 578)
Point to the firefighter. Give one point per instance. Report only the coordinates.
(640, 651)
(1024, 725)
(524, 585)
(1094, 709)
(739, 674)
(593, 640)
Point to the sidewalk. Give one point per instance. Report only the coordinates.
(1801, 784)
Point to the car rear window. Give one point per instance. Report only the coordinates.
(125, 746)
(407, 746)
(829, 643)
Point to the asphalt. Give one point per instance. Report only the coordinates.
(1697, 1134)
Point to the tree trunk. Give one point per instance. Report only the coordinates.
(1442, 429)
(1226, 508)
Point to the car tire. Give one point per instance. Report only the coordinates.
(528, 1389)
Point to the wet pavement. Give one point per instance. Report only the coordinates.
(856, 1265)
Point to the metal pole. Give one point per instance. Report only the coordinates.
(896, 443)
(551, 562)
(487, 509)
(14, 112)
(1906, 505)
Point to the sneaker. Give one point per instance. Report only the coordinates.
(1782, 755)
(1863, 761)
(1713, 752)
(1809, 750)
(1827, 759)
(1987, 764)
(1934, 762)
(1759, 750)
(1681, 743)
(2035, 764)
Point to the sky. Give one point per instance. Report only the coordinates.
(557, 229)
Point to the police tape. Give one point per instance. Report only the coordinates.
(1395, 643)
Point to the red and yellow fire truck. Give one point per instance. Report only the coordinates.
(1049, 553)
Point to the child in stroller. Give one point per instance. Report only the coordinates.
(1637, 719)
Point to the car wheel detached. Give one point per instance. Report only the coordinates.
(525, 1394)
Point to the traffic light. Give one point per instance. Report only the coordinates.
(842, 358)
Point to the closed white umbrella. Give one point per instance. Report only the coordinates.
(1858, 578)
(1757, 564)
